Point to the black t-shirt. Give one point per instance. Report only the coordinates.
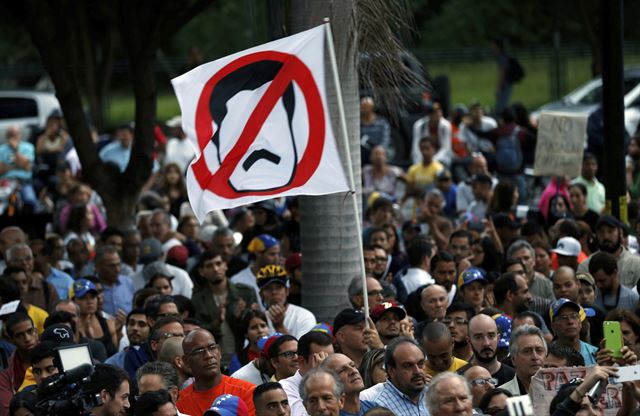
(505, 374)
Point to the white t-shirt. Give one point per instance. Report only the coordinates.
(251, 374)
(297, 320)
(290, 386)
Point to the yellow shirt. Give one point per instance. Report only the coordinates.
(455, 365)
(38, 316)
(29, 379)
(422, 176)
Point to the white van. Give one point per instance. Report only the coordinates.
(27, 109)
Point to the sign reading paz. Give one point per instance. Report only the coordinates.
(560, 144)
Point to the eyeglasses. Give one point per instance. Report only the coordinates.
(288, 354)
(457, 321)
(167, 335)
(567, 318)
(209, 349)
(166, 315)
(375, 293)
(483, 381)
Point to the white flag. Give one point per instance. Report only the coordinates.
(260, 125)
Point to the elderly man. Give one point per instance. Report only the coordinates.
(449, 395)
(37, 292)
(433, 302)
(404, 391)
(16, 162)
(480, 381)
(375, 293)
(350, 377)
(155, 375)
(537, 283)
(202, 355)
(322, 393)
(528, 350)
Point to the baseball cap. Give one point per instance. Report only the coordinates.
(381, 308)
(265, 342)
(261, 243)
(503, 322)
(293, 262)
(609, 220)
(502, 220)
(347, 317)
(271, 273)
(567, 246)
(59, 334)
(150, 250)
(586, 277)
(81, 287)
(227, 405)
(206, 233)
(562, 302)
(472, 274)
(323, 327)
(178, 255)
(154, 269)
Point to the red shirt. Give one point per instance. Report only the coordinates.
(194, 402)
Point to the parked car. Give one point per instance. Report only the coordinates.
(27, 109)
(585, 99)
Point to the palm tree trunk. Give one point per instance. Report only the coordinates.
(328, 223)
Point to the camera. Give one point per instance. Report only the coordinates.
(66, 393)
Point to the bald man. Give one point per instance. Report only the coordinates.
(202, 356)
(434, 301)
(480, 381)
(483, 337)
(437, 343)
(171, 352)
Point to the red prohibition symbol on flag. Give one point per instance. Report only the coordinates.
(250, 72)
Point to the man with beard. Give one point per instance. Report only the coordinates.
(512, 294)
(348, 373)
(219, 303)
(483, 337)
(202, 355)
(457, 319)
(443, 268)
(388, 316)
(404, 391)
(528, 350)
(282, 317)
(137, 333)
(610, 294)
(609, 236)
(438, 345)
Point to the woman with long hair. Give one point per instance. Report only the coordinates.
(173, 186)
(253, 326)
(91, 323)
(80, 225)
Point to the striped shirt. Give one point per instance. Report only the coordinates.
(399, 403)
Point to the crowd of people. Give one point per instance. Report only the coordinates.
(474, 283)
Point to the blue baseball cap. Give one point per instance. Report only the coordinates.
(81, 287)
(472, 274)
(503, 322)
(262, 243)
(562, 302)
(227, 405)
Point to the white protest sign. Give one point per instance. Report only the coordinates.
(560, 144)
(547, 381)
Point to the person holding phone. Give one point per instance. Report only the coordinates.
(577, 397)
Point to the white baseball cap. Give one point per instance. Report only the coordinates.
(567, 246)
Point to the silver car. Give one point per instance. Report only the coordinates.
(585, 99)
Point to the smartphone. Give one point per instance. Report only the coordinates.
(613, 337)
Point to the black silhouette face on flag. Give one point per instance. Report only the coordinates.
(272, 158)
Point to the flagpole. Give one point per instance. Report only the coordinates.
(347, 152)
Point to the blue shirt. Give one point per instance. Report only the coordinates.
(364, 406)
(118, 296)
(116, 154)
(399, 403)
(61, 281)
(588, 352)
(7, 155)
(117, 359)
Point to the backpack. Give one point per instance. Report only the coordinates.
(515, 71)
(508, 153)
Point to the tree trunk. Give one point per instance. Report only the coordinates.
(328, 224)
